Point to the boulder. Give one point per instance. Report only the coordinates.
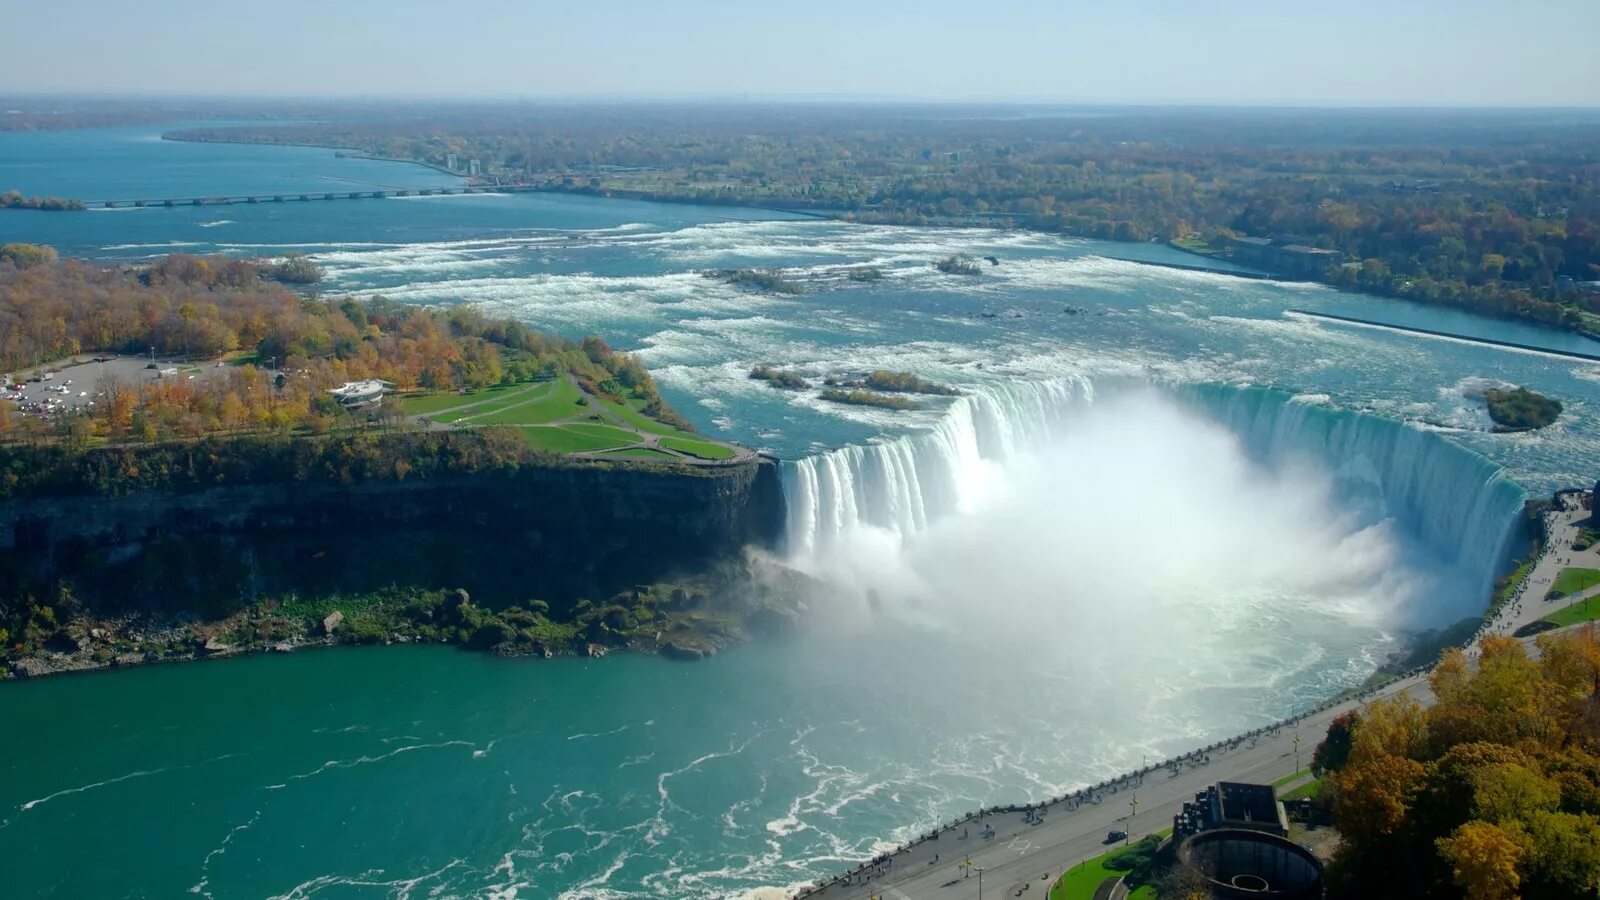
(595, 651)
(687, 652)
(772, 621)
(332, 622)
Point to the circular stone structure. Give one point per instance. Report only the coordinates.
(1253, 865)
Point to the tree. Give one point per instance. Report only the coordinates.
(1483, 861)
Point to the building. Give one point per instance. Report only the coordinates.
(450, 161)
(362, 394)
(474, 168)
(1289, 254)
(1233, 804)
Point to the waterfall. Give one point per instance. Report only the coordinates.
(1453, 500)
(1456, 503)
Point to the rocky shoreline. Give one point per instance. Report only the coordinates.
(689, 619)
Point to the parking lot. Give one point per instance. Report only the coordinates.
(72, 384)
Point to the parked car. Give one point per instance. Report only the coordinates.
(1116, 834)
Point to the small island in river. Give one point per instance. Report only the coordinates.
(1520, 409)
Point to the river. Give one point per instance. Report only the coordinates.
(404, 770)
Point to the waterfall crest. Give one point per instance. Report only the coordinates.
(1456, 503)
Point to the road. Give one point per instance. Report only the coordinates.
(1023, 859)
(1034, 855)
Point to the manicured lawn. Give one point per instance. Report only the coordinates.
(638, 419)
(649, 453)
(702, 449)
(426, 404)
(1571, 581)
(1080, 881)
(481, 411)
(555, 439)
(1582, 611)
(1309, 789)
(617, 436)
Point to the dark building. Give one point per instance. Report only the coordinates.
(1289, 254)
(1233, 804)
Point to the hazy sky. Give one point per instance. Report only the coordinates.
(1530, 52)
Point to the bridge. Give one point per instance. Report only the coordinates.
(309, 197)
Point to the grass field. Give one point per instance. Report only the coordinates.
(1571, 581)
(1582, 611)
(427, 404)
(646, 453)
(559, 417)
(1309, 789)
(1080, 882)
(556, 439)
(702, 449)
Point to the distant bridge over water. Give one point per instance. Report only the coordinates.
(308, 197)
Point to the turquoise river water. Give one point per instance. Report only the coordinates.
(1167, 509)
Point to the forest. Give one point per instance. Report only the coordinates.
(1491, 793)
(1491, 211)
(286, 350)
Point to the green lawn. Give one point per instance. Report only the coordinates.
(1309, 789)
(1571, 581)
(556, 439)
(702, 449)
(478, 413)
(559, 417)
(1081, 881)
(427, 404)
(639, 453)
(1582, 611)
(617, 436)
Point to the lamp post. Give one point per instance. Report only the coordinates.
(1297, 753)
(1127, 839)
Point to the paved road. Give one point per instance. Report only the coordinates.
(1021, 853)
(1022, 859)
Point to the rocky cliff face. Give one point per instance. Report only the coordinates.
(558, 533)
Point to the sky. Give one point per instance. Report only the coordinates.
(1350, 52)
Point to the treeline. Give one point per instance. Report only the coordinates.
(1493, 792)
(15, 200)
(1444, 208)
(293, 349)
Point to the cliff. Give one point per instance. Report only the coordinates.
(209, 528)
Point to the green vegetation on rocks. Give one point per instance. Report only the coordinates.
(1520, 409)
(779, 378)
(960, 264)
(868, 398)
(760, 280)
(905, 383)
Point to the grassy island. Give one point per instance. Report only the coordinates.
(859, 397)
(759, 280)
(1520, 409)
(789, 381)
(906, 383)
(960, 264)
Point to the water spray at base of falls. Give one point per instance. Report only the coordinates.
(1038, 507)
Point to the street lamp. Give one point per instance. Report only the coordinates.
(1127, 839)
(1297, 752)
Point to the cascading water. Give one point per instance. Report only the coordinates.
(1452, 502)
(1458, 504)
